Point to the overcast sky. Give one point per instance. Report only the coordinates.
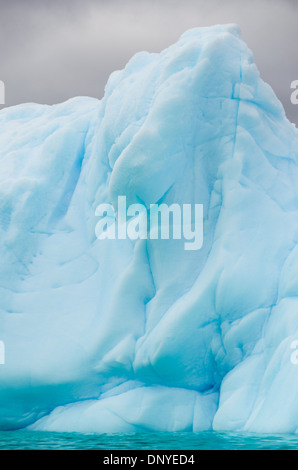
(51, 50)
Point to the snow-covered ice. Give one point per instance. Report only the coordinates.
(116, 335)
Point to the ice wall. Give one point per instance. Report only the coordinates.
(115, 335)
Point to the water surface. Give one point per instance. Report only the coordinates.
(11, 440)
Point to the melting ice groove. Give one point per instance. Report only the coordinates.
(117, 336)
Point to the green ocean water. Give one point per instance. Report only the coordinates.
(11, 440)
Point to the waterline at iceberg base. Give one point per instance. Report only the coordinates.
(123, 336)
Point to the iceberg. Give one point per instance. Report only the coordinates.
(142, 335)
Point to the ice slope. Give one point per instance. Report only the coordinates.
(116, 335)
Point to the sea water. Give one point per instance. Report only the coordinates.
(26, 440)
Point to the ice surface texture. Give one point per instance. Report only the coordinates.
(116, 335)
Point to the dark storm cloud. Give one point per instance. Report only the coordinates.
(52, 50)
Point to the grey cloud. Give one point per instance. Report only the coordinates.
(53, 50)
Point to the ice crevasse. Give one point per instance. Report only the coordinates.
(122, 335)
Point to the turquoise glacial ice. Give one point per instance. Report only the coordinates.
(120, 336)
